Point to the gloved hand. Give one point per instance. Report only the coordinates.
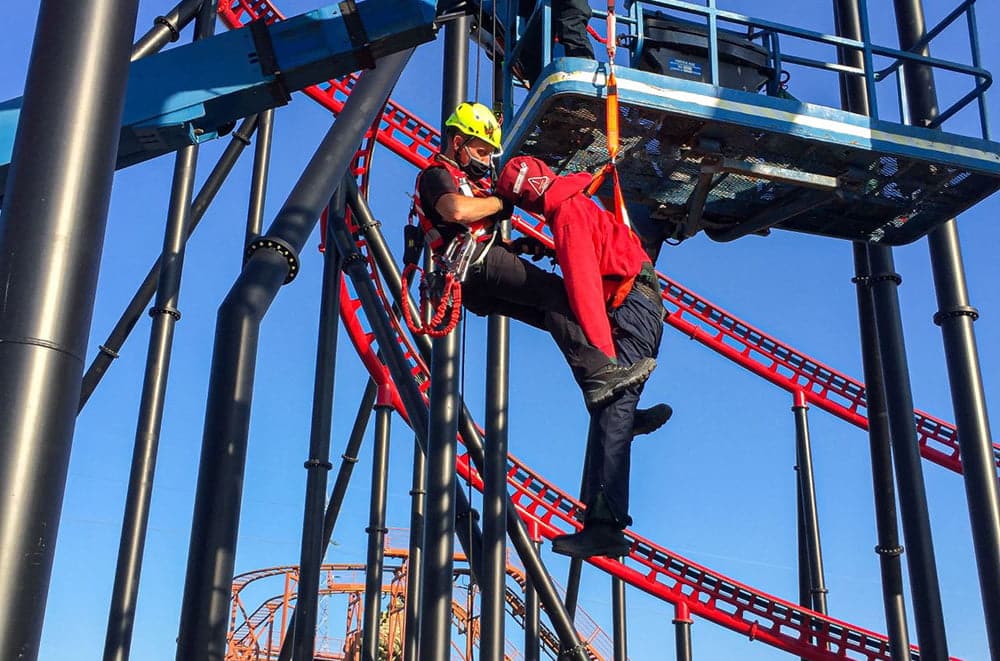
(506, 211)
(529, 245)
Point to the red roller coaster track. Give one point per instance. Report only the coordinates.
(659, 572)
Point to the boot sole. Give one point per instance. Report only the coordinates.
(611, 550)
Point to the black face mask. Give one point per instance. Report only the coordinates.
(475, 169)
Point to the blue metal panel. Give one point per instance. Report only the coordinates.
(186, 94)
(755, 111)
(698, 157)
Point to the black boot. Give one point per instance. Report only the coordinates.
(603, 385)
(596, 538)
(601, 535)
(649, 420)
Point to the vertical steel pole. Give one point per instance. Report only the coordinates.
(258, 178)
(805, 598)
(52, 229)
(167, 28)
(142, 297)
(220, 476)
(682, 631)
(348, 460)
(414, 569)
(807, 496)
(854, 97)
(803, 552)
(532, 610)
(121, 613)
(439, 525)
(956, 316)
(121, 616)
(573, 585)
(576, 564)
(399, 367)
(906, 456)
(318, 463)
(887, 547)
(618, 614)
(491, 645)
(376, 527)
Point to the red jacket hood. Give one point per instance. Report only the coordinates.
(530, 184)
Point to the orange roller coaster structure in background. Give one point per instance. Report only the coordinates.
(256, 628)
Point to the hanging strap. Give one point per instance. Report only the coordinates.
(612, 115)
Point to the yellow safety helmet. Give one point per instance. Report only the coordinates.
(477, 121)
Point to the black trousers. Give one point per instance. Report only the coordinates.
(569, 28)
(637, 327)
(503, 283)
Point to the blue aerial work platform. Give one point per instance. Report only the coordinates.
(192, 93)
(700, 157)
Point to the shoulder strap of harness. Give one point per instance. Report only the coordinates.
(481, 230)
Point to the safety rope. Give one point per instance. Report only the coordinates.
(449, 304)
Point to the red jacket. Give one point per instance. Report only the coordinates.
(599, 256)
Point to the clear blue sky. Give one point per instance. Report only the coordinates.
(716, 485)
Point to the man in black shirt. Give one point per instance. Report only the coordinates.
(450, 200)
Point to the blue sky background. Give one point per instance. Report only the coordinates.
(716, 485)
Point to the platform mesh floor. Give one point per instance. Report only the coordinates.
(882, 198)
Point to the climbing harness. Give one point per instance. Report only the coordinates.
(442, 286)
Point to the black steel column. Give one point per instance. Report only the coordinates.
(142, 297)
(807, 497)
(258, 178)
(618, 615)
(348, 460)
(376, 528)
(491, 644)
(854, 97)
(121, 614)
(516, 528)
(888, 547)
(412, 399)
(532, 611)
(573, 585)
(682, 631)
(167, 28)
(802, 552)
(576, 564)
(52, 229)
(204, 615)
(805, 595)
(313, 546)
(956, 316)
(439, 524)
(414, 570)
(927, 609)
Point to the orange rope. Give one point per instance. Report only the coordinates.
(612, 116)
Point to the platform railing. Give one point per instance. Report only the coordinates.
(769, 32)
